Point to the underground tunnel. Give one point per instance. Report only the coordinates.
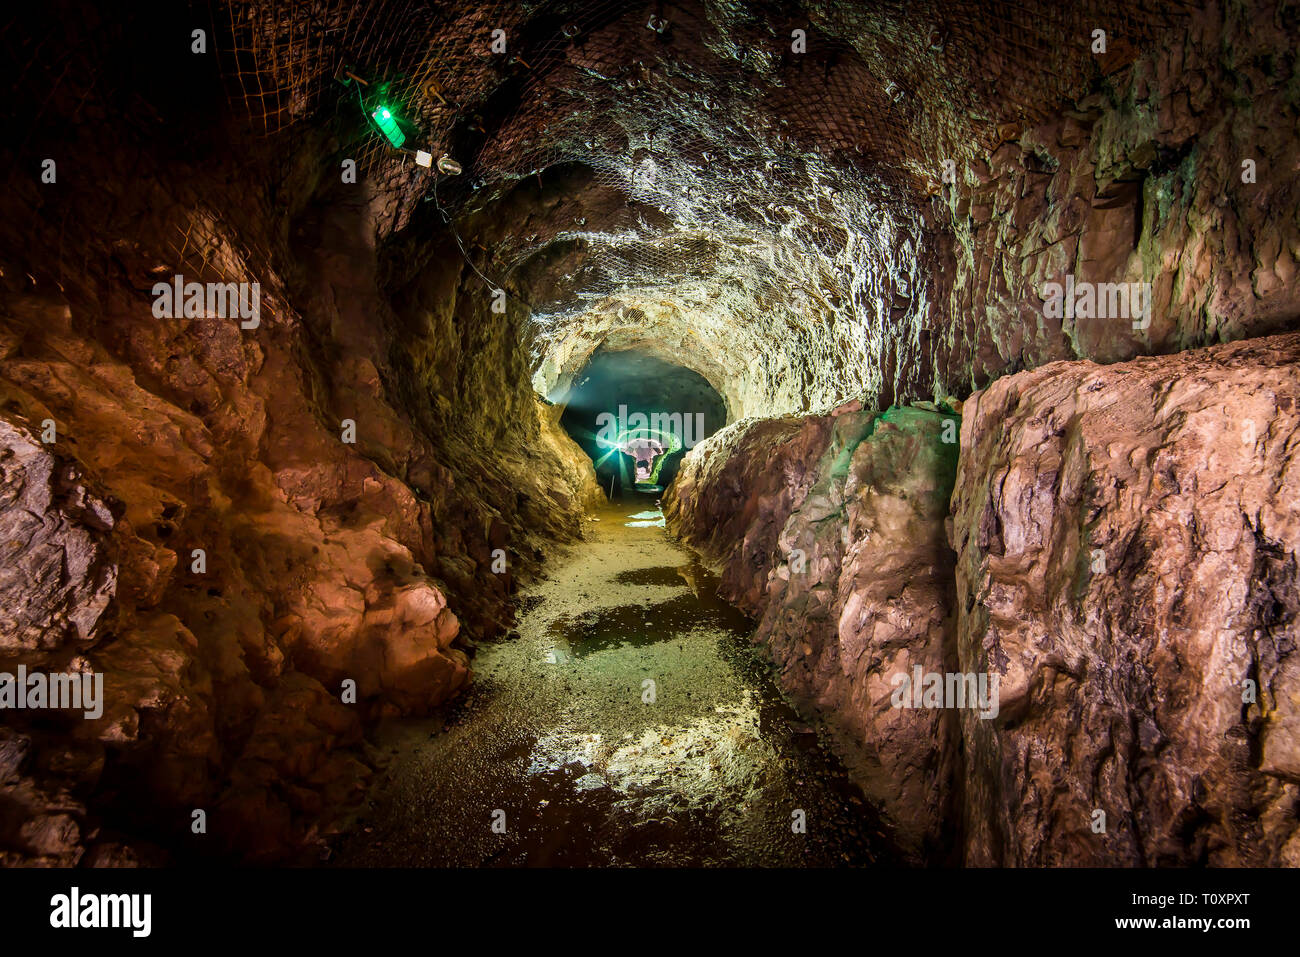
(636, 416)
(639, 434)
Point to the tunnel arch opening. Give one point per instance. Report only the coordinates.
(636, 414)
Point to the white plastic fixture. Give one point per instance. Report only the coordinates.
(423, 159)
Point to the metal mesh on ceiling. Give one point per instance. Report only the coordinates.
(894, 86)
(759, 181)
(768, 190)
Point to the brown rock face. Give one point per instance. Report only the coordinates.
(1127, 540)
(53, 546)
(207, 531)
(1178, 172)
(736, 491)
(830, 530)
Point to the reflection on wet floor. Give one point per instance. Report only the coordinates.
(667, 575)
(631, 723)
(638, 625)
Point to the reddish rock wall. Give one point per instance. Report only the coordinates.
(830, 531)
(1127, 539)
(1126, 542)
(1140, 180)
(325, 561)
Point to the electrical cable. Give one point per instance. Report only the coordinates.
(465, 255)
(452, 227)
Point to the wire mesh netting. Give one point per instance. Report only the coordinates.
(769, 158)
(900, 84)
(745, 161)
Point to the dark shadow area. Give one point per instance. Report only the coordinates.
(636, 416)
(639, 625)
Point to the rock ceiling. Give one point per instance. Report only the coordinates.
(740, 186)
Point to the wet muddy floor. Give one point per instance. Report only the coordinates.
(631, 723)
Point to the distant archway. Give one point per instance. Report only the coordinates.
(636, 415)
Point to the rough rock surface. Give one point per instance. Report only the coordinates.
(323, 560)
(53, 547)
(1127, 539)
(1126, 542)
(772, 219)
(1178, 172)
(787, 223)
(830, 530)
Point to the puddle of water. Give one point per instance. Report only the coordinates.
(639, 625)
(649, 518)
(663, 575)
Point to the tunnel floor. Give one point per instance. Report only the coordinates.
(555, 745)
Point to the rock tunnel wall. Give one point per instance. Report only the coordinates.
(1178, 171)
(697, 193)
(838, 549)
(1143, 180)
(324, 559)
(1121, 550)
(1127, 540)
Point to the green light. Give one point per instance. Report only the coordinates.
(388, 126)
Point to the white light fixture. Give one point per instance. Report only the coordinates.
(423, 159)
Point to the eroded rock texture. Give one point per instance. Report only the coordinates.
(830, 531)
(1127, 539)
(1178, 171)
(204, 530)
(695, 186)
(762, 189)
(53, 546)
